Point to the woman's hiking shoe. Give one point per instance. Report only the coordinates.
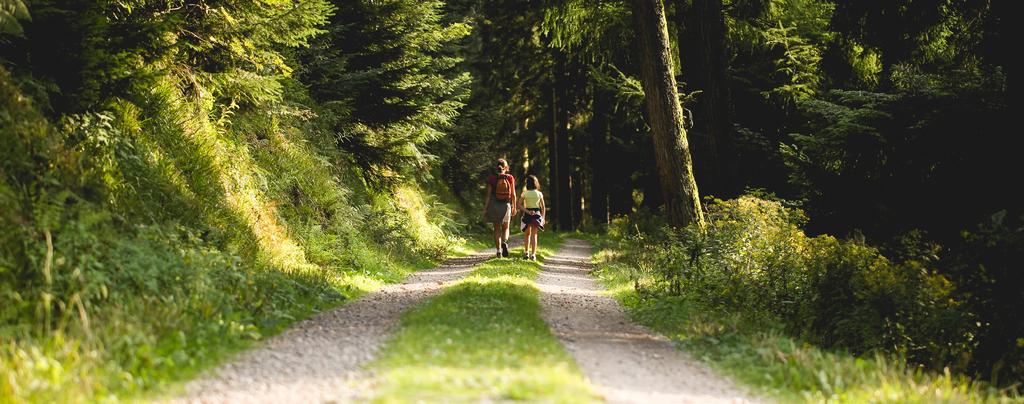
(497, 254)
(504, 249)
(533, 257)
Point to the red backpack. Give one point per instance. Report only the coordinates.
(503, 187)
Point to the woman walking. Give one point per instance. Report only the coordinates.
(500, 205)
(534, 213)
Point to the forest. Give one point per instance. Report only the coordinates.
(181, 179)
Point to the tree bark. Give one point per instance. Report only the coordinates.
(665, 116)
(701, 30)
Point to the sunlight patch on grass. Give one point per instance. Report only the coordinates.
(551, 383)
(481, 340)
(470, 246)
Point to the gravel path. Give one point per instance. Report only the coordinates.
(625, 362)
(320, 359)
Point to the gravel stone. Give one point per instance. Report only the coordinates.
(321, 359)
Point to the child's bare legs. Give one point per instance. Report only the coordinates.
(526, 239)
(534, 230)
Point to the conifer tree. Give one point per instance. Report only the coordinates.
(387, 76)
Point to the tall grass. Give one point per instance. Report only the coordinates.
(145, 242)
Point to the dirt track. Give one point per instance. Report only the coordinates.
(626, 363)
(320, 359)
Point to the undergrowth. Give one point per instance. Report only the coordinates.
(147, 241)
(759, 354)
(793, 316)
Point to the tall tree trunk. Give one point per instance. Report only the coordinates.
(665, 116)
(702, 30)
(563, 198)
(597, 131)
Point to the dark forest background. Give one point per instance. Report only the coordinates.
(887, 123)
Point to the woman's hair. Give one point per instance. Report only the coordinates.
(532, 183)
(502, 163)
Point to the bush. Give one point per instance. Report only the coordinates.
(753, 258)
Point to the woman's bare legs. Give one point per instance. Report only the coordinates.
(500, 235)
(497, 240)
(498, 231)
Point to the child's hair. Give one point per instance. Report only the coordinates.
(532, 183)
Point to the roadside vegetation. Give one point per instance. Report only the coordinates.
(796, 317)
(170, 191)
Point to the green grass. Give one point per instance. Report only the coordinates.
(758, 354)
(147, 345)
(480, 340)
(189, 240)
(474, 242)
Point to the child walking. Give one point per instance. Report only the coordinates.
(534, 213)
(500, 205)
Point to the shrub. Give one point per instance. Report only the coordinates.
(754, 258)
